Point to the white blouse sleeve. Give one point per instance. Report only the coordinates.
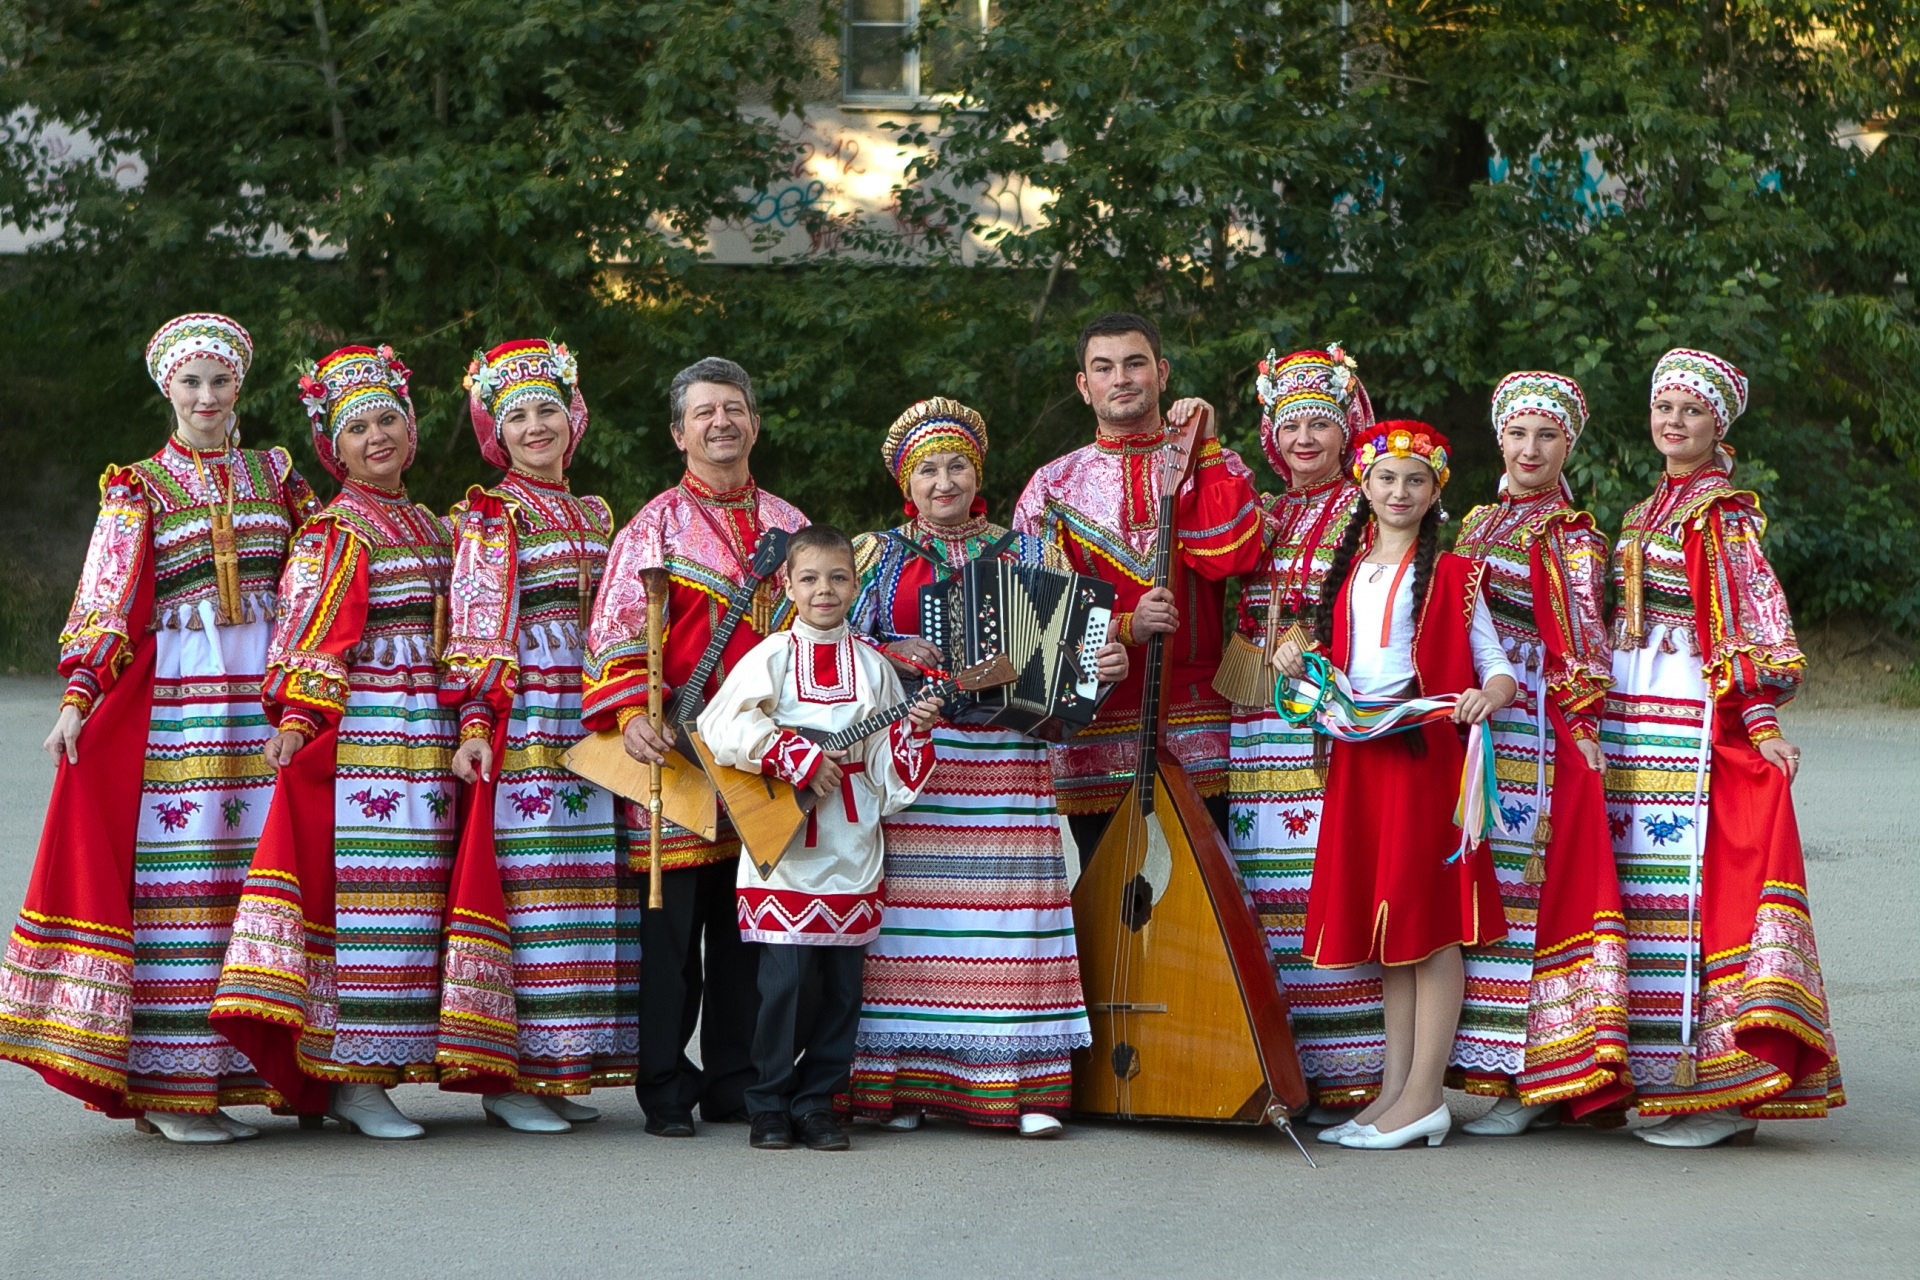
(1489, 658)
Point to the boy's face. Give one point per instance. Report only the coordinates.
(821, 583)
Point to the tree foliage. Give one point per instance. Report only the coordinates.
(1454, 191)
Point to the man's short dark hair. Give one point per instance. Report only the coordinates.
(1119, 322)
(819, 537)
(715, 369)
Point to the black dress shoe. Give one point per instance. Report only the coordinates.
(821, 1132)
(678, 1124)
(771, 1132)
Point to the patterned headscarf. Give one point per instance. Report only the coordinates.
(201, 335)
(1310, 384)
(349, 382)
(514, 373)
(1402, 438)
(1703, 374)
(1549, 394)
(938, 425)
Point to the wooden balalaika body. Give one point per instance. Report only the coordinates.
(1188, 1018)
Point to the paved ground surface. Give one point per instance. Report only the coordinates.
(84, 1196)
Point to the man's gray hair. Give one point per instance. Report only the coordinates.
(711, 369)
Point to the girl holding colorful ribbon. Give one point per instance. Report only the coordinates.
(1401, 875)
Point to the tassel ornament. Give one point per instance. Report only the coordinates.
(1685, 1074)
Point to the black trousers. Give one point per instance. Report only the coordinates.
(1087, 828)
(677, 991)
(809, 1010)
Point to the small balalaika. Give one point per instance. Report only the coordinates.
(1049, 623)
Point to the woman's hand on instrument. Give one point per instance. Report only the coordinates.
(826, 779)
(1476, 705)
(1590, 752)
(1155, 614)
(1782, 755)
(906, 651)
(282, 747)
(65, 738)
(643, 742)
(924, 713)
(1288, 659)
(1184, 409)
(1110, 663)
(474, 761)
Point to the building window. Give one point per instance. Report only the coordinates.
(882, 61)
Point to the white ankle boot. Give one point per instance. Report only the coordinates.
(1707, 1129)
(522, 1112)
(240, 1129)
(1037, 1124)
(1509, 1117)
(185, 1127)
(366, 1108)
(569, 1110)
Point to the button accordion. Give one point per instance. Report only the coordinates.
(1050, 623)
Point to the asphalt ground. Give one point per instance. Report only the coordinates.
(84, 1196)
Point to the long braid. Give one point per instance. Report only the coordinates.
(1338, 572)
(1426, 550)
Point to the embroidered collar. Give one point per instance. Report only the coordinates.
(747, 495)
(1509, 498)
(186, 452)
(533, 481)
(1314, 492)
(386, 497)
(1146, 443)
(806, 631)
(972, 527)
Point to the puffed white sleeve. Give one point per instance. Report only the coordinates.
(1489, 658)
(738, 725)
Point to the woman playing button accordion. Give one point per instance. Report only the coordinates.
(1726, 1011)
(543, 947)
(333, 974)
(1545, 1016)
(972, 1003)
(159, 793)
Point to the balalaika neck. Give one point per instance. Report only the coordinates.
(863, 729)
(691, 698)
(1152, 687)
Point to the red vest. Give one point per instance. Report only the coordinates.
(1442, 631)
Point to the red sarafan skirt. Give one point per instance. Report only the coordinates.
(1382, 886)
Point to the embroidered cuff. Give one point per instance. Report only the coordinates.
(792, 757)
(476, 730)
(1583, 728)
(1123, 629)
(1763, 722)
(294, 722)
(627, 715)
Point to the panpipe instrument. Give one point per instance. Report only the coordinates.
(1050, 623)
(687, 794)
(1188, 1017)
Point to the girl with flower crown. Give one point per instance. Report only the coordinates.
(538, 854)
(1393, 880)
(1544, 1021)
(331, 983)
(158, 794)
(1729, 1027)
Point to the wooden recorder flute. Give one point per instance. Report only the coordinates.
(656, 619)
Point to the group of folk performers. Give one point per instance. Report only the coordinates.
(310, 835)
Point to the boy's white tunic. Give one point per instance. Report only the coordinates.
(826, 889)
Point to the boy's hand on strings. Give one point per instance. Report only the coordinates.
(924, 713)
(1288, 659)
(826, 779)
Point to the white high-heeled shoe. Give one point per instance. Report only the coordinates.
(1434, 1127)
(366, 1108)
(522, 1113)
(1707, 1129)
(1510, 1117)
(1036, 1124)
(569, 1110)
(186, 1127)
(1332, 1134)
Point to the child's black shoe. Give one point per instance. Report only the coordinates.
(771, 1131)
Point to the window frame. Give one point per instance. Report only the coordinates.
(909, 94)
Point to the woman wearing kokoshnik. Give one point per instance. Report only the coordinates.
(1402, 877)
(1544, 1021)
(542, 940)
(159, 792)
(332, 980)
(972, 1004)
(1313, 406)
(1726, 1011)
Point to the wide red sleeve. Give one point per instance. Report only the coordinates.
(481, 663)
(114, 601)
(1218, 515)
(1569, 565)
(323, 611)
(614, 687)
(1748, 652)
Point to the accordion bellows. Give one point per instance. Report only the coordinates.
(1048, 622)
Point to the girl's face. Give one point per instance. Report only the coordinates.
(1535, 448)
(372, 446)
(1684, 430)
(202, 392)
(1311, 447)
(1401, 492)
(943, 486)
(537, 433)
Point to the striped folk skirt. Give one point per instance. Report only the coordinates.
(972, 1003)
